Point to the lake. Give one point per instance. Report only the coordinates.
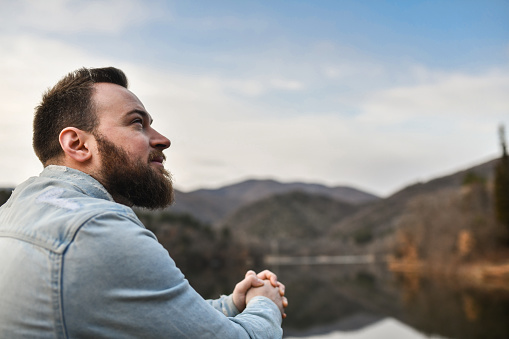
(365, 301)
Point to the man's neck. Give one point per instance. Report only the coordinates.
(122, 200)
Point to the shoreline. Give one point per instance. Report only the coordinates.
(480, 274)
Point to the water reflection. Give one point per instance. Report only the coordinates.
(349, 298)
(386, 328)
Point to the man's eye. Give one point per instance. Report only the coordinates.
(137, 121)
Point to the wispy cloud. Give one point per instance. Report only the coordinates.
(222, 23)
(70, 16)
(407, 131)
(456, 95)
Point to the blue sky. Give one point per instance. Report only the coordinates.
(372, 94)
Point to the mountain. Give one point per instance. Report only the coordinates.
(213, 205)
(288, 216)
(383, 213)
(425, 220)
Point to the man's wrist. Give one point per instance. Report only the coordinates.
(230, 304)
(260, 301)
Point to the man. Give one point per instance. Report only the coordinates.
(76, 262)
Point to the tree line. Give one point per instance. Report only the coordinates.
(501, 190)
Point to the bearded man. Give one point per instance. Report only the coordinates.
(76, 262)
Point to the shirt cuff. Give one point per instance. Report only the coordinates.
(229, 308)
(259, 303)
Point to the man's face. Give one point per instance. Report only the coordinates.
(130, 150)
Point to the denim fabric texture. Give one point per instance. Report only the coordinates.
(75, 264)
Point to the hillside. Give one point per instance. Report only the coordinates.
(213, 205)
(424, 220)
(288, 216)
(382, 217)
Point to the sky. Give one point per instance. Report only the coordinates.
(375, 95)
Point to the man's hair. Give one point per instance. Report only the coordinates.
(69, 104)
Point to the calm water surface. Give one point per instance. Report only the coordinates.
(367, 301)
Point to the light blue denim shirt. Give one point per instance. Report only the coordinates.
(75, 264)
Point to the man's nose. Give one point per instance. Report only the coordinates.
(159, 141)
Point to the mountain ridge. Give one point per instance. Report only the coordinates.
(313, 224)
(213, 205)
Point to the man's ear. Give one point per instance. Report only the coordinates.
(75, 144)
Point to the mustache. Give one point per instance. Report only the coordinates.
(157, 155)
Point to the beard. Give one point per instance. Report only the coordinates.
(134, 182)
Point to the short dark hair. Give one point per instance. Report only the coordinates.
(69, 104)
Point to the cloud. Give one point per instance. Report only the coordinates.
(221, 23)
(71, 16)
(453, 95)
(284, 84)
(258, 86)
(401, 134)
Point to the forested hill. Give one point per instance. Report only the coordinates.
(214, 205)
(423, 220)
(428, 215)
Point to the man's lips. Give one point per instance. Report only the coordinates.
(158, 159)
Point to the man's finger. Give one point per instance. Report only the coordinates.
(248, 282)
(285, 302)
(282, 288)
(250, 272)
(268, 275)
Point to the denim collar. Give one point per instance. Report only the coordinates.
(84, 182)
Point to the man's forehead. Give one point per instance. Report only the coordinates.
(114, 98)
(105, 92)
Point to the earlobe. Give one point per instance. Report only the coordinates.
(74, 144)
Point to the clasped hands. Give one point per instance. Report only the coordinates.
(262, 284)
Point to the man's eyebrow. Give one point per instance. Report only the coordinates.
(144, 114)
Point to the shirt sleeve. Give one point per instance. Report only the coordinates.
(119, 282)
(224, 305)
